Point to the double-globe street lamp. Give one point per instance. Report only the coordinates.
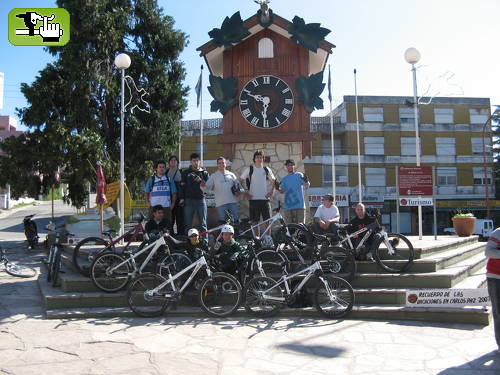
(412, 56)
(122, 62)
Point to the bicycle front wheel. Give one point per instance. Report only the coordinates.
(142, 301)
(19, 271)
(273, 263)
(394, 254)
(55, 266)
(86, 251)
(220, 294)
(256, 292)
(333, 297)
(110, 272)
(338, 261)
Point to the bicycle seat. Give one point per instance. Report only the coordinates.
(109, 232)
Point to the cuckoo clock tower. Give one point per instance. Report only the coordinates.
(266, 76)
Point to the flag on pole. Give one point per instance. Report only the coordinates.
(329, 85)
(198, 88)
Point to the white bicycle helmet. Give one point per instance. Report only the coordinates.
(227, 229)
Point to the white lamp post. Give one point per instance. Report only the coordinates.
(412, 56)
(122, 62)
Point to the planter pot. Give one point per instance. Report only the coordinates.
(464, 226)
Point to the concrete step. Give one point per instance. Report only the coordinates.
(443, 278)
(470, 315)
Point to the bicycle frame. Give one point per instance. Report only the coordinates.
(272, 219)
(200, 263)
(369, 231)
(310, 271)
(134, 232)
(154, 246)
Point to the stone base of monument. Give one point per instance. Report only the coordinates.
(450, 262)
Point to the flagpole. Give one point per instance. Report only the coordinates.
(201, 115)
(360, 196)
(334, 188)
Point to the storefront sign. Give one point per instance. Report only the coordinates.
(447, 297)
(341, 200)
(415, 181)
(459, 204)
(415, 201)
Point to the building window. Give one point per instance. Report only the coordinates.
(374, 145)
(373, 114)
(445, 146)
(340, 174)
(408, 146)
(477, 145)
(406, 116)
(446, 176)
(375, 176)
(478, 115)
(205, 148)
(326, 147)
(443, 116)
(479, 178)
(266, 49)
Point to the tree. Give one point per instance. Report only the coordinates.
(73, 107)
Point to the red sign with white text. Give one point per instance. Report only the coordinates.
(415, 181)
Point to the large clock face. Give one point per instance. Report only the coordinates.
(266, 102)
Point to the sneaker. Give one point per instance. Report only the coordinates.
(369, 256)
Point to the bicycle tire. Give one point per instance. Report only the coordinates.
(19, 271)
(402, 258)
(55, 267)
(338, 261)
(106, 282)
(140, 303)
(255, 304)
(175, 262)
(337, 300)
(220, 294)
(274, 262)
(86, 251)
(49, 264)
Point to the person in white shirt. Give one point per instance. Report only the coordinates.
(226, 188)
(260, 183)
(326, 217)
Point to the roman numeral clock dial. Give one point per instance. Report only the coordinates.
(266, 102)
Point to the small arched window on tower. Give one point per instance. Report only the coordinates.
(266, 49)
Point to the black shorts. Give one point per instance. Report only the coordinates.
(258, 208)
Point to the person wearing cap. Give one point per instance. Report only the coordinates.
(293, 186)
(327, 216)
(196, 247)
(227, 250)
(157, 223)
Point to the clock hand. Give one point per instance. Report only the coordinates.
(266, 102)
(259, 98)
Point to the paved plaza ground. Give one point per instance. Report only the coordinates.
(30, 344)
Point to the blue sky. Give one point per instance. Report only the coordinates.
(454, 37)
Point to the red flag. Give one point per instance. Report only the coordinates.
(100, 185)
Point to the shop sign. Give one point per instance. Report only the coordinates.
(341, 200)
(415, 201)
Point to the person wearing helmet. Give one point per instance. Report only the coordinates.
(227, 250)
(196, 247)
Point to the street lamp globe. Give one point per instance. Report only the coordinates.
(412, 56)
(122, 61)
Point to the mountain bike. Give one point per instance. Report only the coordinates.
(111, 272)
(15, 269)
(89, 248)
(150, 294)
(30, 231)
(333, 296)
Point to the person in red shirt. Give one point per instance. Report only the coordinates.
(492, 252)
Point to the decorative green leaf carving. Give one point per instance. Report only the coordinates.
(231, 32)
(310, 89)
(308, 35)
(262, 18)
(224, 93)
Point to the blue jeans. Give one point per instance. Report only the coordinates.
(231, 207)
(198, 207)
(494, 292)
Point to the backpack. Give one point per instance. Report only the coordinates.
(249, 179)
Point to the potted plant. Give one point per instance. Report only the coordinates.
(464, 223)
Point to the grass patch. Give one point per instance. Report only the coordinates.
(19, 205)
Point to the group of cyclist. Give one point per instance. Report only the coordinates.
(175, 196)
